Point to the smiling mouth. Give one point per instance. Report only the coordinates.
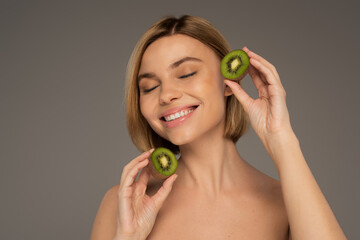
(179, 114)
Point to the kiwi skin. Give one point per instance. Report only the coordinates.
(245, 62)
(154, 172)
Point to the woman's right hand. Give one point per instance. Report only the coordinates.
(137, 211)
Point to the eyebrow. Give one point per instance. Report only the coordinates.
(177, 63)
(172, 66)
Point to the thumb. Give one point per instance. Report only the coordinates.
(164, 191)
(240, 94)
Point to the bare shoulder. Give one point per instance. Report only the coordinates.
(263, 184)
(268, 195)
(276, 201)
(104, 225)
(275, 198)
(271, 188)
(270, 192)
(273, 195)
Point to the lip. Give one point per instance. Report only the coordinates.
(177, 109)
(179, 121)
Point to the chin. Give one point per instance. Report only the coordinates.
(180, 140)
(182, 137)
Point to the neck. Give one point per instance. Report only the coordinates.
(210, 165)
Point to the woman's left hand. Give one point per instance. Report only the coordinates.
(268, 114)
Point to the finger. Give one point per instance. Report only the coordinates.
(131, 176)
(125, 211)
(269, 75)
(251, 54)
(126, 192)
(258, 57)
(163, 192)
(240, 94)
(133, 162)
(142, 182)
(259, 83)
(256, 76)
(144, 175)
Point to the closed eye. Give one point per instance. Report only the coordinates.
(150, 89)
(188, 75)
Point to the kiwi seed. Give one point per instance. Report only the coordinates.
(235, 65)
(164, 163)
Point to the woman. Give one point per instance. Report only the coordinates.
(217, 195)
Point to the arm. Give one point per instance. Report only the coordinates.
(309, 214)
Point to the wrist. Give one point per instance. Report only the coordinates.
(276, 143)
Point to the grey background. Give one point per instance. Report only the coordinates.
(63, 134)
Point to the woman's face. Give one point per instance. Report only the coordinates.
(181, 89)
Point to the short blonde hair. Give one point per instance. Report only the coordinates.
(142, 135)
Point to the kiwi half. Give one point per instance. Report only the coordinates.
(235, 65)
(164, 163)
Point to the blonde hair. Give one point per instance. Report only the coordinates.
(142, 135)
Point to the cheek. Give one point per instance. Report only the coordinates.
(148, 109)
(211, 87)
(215, 95)
(218, 85)
(145, 108)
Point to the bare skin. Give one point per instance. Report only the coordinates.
(217, 194)
(254, 209)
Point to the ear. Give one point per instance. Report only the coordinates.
(227, 91)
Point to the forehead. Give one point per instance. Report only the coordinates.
(169, 49)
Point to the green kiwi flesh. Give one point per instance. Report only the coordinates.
(164, 163)
(234, 65)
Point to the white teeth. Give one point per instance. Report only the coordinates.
(178, 114)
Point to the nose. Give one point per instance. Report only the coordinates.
(169, 92)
